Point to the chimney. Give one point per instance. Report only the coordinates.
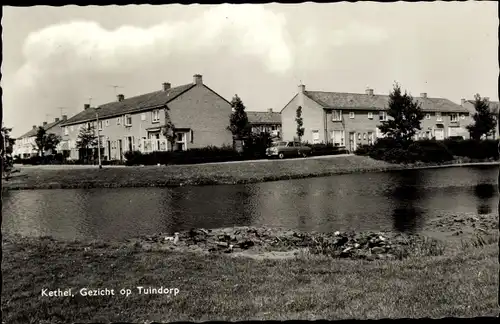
(369, 92)
(56, 119)
(86, 106)
(34, 126)
(166, 86)
(44, 123)
(423, 95)
(64, 117)
(302, 88)
(270, 110)
(463, 101)
(120, 97)
(197, 79)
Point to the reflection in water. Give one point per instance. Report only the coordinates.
(484, 192)
(406, 216)
(376, 201)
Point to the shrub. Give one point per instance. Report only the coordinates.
(364, 150)
(324, 149)
(474, 149)
(429, 151)
(134, 158)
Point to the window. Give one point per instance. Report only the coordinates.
(315, 136)
(370, 138)
(128, 120)
(370, 115)
(336, 115)
(118, 121)
(364, 136)
(289, 144)
(351, 114)
(66, 130)
(383, 116)
(143, 116)
(338, 137)
(359, 136)
(454, 118)
(155, 116)
(107, 123)
(180, 141)
(88, 125)
(427, 116)
(100, 125)
(439, 117)
(462, 116)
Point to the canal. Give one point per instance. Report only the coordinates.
(399, 200)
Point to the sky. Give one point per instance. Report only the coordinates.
(56, 58)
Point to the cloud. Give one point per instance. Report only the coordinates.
(78, 46)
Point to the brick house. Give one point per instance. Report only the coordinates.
(469, 105)
(199, 114)
(265, 121)
(352, 119)
(25, 144)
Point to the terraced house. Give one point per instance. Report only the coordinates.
(25, 144)
(352, 119)
(265, 121)
(199, 114)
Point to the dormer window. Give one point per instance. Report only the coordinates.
(337, 115)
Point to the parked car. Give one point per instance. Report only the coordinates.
(284, 149)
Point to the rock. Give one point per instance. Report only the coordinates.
(377, 250)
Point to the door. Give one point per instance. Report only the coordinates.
(120, 149)
(439, 134)
(352, 141)
(109, 150)
(129, 140)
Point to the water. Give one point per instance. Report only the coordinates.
(401, 200)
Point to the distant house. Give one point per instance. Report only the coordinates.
(265, 121)
(352, 119)
(25, 145)
(469, 105)
(199, 114)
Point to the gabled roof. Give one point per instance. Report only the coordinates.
(263, 117)
(33, 132)
(130, 105)
(493, 105)
(358, 101)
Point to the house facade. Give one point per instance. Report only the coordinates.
(265, 121)
(25, 145)
(469, 105)
(200, 117)
(352, 119)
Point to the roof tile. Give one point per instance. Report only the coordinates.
(130, 105)
(360, 101)
(264, 117)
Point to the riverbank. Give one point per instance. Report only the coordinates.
(281, 275)
(204, 174)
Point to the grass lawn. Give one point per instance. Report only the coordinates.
(175, 175)
(462, 283)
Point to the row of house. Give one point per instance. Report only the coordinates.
(201, 116)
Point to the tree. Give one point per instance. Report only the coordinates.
(87, 138)
(484, 119)
(7, 141)
(406, 116)
(169, 130)
(299, 121)
(45, 141)
(238, 122)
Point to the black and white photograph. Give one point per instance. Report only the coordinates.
(233, 162)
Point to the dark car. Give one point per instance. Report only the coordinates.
(288, 149)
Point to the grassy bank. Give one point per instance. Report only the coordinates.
(206, 174)
(461, 282)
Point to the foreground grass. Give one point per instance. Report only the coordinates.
(218, 287)
(204, 174)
